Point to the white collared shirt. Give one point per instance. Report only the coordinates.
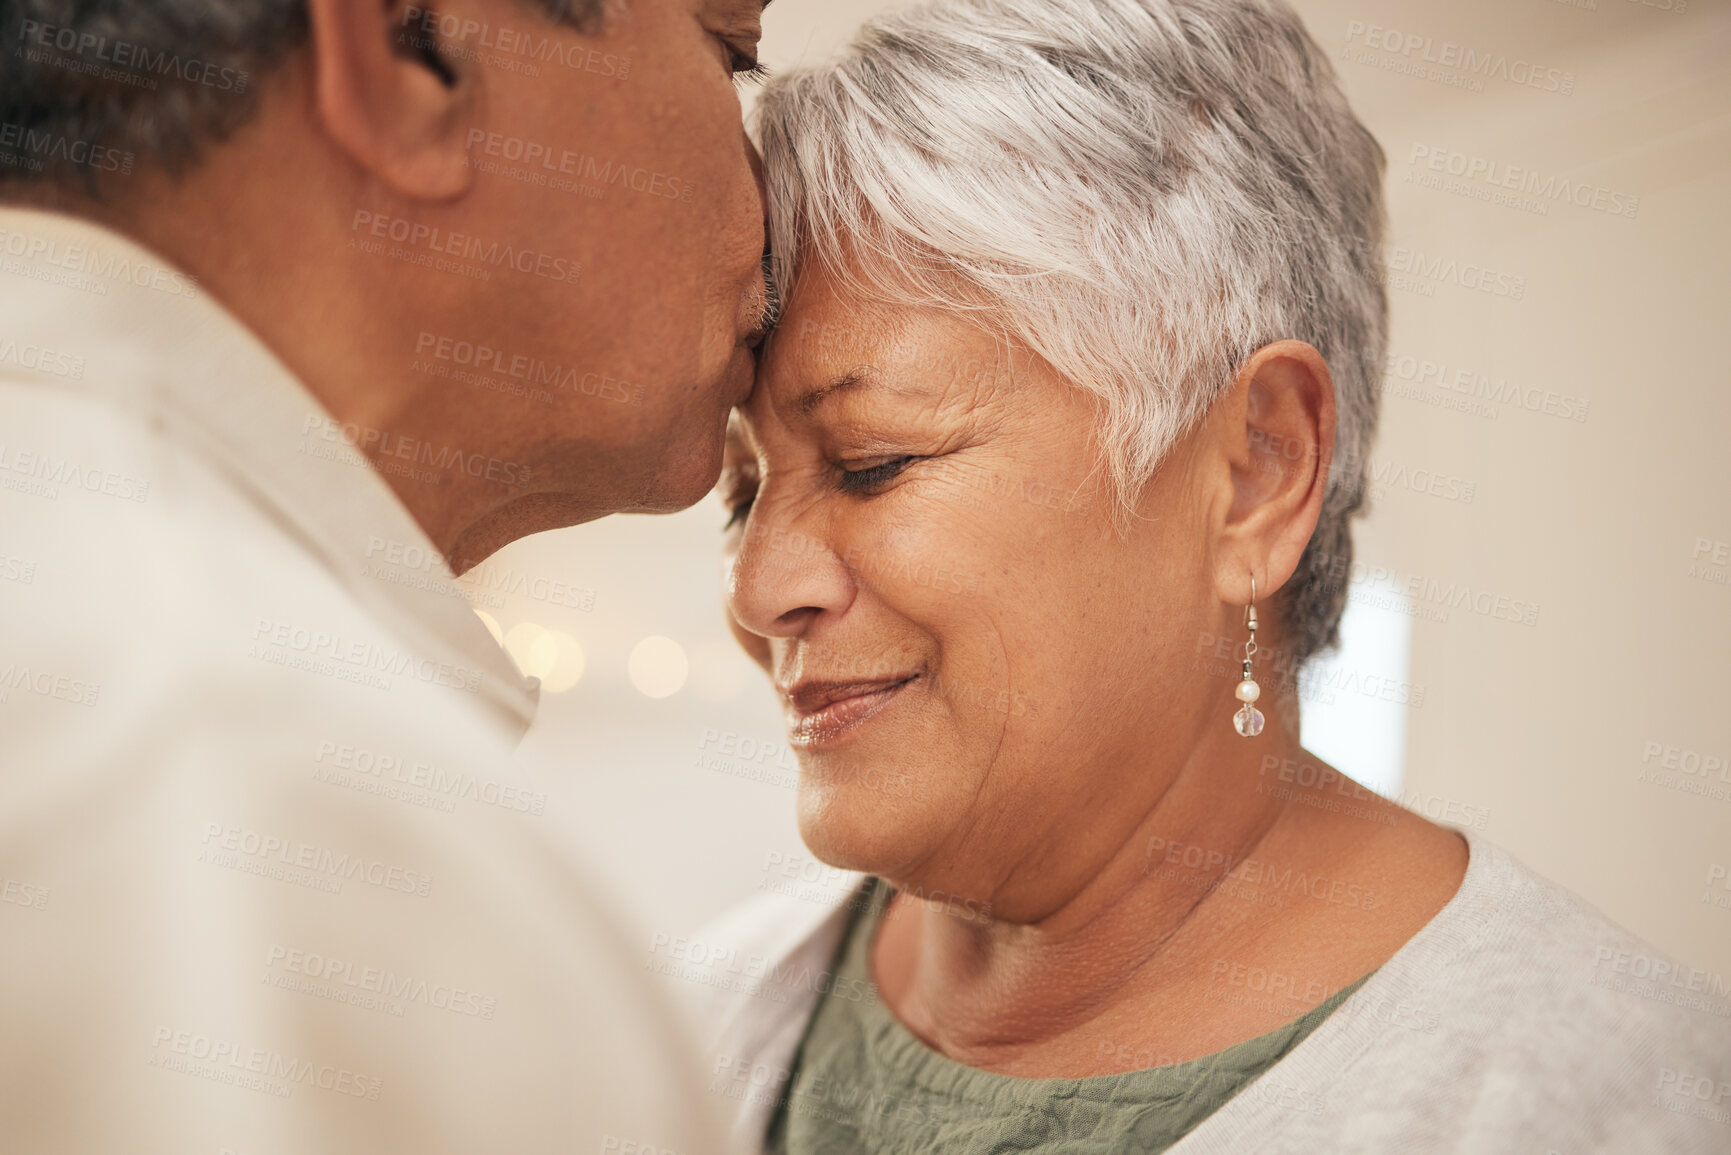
(270, 880)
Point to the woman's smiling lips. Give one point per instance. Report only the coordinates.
(821, 713)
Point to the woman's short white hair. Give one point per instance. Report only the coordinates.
(1144, 192)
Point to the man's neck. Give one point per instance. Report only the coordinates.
(341, 326)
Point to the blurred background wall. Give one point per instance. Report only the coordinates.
(1546, 575)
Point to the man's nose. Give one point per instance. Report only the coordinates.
(766, 306)
(785, 581)
(755, 160)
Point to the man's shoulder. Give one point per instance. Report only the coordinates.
(107, 501)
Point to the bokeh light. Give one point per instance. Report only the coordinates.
(658, 667)
(553, 656)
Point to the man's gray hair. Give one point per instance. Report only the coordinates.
(1144, 192)
(89, 86)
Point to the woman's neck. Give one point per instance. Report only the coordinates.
(1229, 866)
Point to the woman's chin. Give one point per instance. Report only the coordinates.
(852, 827)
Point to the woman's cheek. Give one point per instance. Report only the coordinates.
(928, 560)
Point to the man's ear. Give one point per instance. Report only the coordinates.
(391, 94)
(1275, 430)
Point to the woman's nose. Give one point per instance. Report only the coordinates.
(785, 580)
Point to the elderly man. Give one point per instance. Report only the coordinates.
(292, 291)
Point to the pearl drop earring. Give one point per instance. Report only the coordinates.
(1248, 720)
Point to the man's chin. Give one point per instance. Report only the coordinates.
(688, 475)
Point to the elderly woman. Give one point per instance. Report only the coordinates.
(1040, 505)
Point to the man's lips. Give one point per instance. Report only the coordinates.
(819, 712)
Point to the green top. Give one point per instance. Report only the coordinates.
(862, 1082)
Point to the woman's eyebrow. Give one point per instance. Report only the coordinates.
(852, 379)
(862, 378)
(859, 377)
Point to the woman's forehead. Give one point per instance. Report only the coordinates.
(830, 344)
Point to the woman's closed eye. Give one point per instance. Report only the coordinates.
(738, 512)
(738, 490)
(872, 477)
(738, 485)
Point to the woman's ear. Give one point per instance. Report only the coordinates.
(393, 95)
(1274, 427)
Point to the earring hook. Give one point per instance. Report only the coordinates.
(1248, 720)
